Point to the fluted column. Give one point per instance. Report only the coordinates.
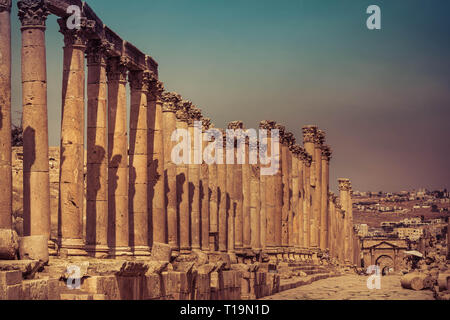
(97, 146)
(205, 192)
(140, 82)
(318, 142)
(284, 188)
(156, 195)
(288, 226)
(324, 217)
(301, 196)
(194, 170)
(5, 116)
(222, 190)
(118, 171)
(351, 229)
(170, 100)
(344, 188)
(36, 185)
(183, 182)
(279, 196)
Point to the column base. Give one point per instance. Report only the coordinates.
(98, 251)
(120, 252)
(141, 251)
(73, 247)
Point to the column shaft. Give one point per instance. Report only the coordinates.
(325, 188)
(194, 189)
(118, 171)
(97, 161)
(222, 200)
(5, 117)
(204, 194)
(246, 203)
(36, 185)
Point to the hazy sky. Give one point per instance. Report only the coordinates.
(383, 97)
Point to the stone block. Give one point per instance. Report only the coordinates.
(152, 289)
(9, 244)
(10, 278)
(34, 248)
(161, 252)
(35, 290)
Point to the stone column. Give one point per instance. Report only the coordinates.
(140, 82)
(344, 188)
(237, 193)
(301, 196)
(255, 203)
(279, 196)
(332, 225)
(118, 158)
(5, 117)
(156, 195)
(213, 203)
(351, 229)
(194, 170)
(36, 185)
(262, 195)
(246, 204)
(324, 216)
(169, 108)
(309, 139)
(307, 210)
(230, 190)
(205, 192)
(71, 181)
(185, 222)
(318, 142)
(97, 146)
(295, 199)
(288, 226)
(222, 190)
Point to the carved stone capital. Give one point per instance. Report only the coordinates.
(296, 150)
(156, 90)
(170, 101)
(76, 36)
(97, 52)
(5, 5)
(288, 139)
(195, 114)
(267, 125)
(206, 123)
(282, 130)
(345, 185)
(236, 125)
(326, 153)
(183, 107)
(309, 134)
(117, 69)
(307, 159)
(141, 80)
(319, 139)
(32, 13)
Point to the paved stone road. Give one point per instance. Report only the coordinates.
(352, 287)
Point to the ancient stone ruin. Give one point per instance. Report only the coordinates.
(129, 223)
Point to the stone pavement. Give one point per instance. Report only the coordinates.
(352, 287)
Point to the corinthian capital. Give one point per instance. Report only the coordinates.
(288, 139)
(267, 125)
(309, 134)
(117, 69)
(32, 12)
(170, 101)
(5, 5)
(236, 125)
(76, 36)
(141, 80)
(156, 90)
(183, 108)
(195, 114)
(326, 152)
(296, 150)
(319, 139)
(97, 51)
(345, 185)
(206, 124)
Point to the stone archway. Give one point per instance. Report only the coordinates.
(386, 264)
